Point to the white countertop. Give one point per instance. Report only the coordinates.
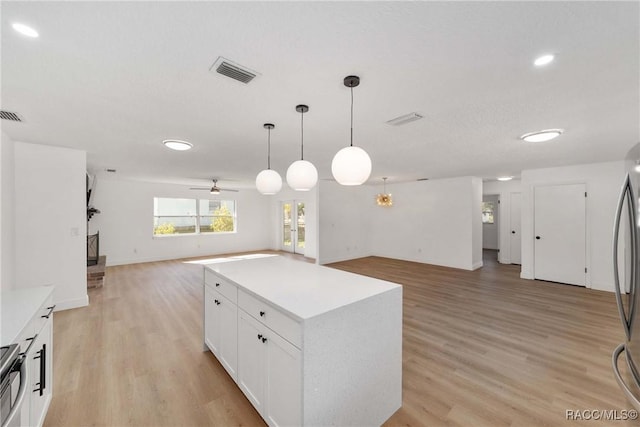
(304, 290)
(18, 308)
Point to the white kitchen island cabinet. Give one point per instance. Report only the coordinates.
(316, 346)
(26, 319)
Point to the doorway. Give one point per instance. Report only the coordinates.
(293, 226)
(490, 226)
(560, 233)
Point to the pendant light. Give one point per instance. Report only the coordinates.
(351, 165)
(268, 181)
(384, 198)
(302, 175)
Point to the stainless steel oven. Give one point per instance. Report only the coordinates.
(13, 384)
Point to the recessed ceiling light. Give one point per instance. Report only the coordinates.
(637, 167)
(505, 178)
(542, 135)
(176, 144)
(24, 30)
(543, 60)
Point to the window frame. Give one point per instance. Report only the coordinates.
(197, 216)
(488, 207)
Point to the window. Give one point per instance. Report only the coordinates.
(193, 216)
(487, 212)
(217, 216)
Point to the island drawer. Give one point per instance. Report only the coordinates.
(221, 285)
(270, 316)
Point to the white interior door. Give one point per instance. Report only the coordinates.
(293, 226)
(515, 247)
(559, 230)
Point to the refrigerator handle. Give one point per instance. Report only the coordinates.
(627, 392)
(624, 194)
(633, 228)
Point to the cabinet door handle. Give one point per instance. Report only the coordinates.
(217, 302)
(264, 340)
(32, 339)
(42, 355)
(262, 314)
(217, 284)
(537, 237)
(259, 336)
(513, 232)
(46, 316)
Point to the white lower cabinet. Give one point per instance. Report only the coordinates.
(266, 367)
(269, 372)
(221, 329)
(251, 358)
(283, 388)
(30, 314)
(40, 374)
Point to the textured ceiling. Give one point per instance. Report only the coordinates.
(115, 79)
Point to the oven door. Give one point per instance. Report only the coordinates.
(14, 388)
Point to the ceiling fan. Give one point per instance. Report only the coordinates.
(215, 189)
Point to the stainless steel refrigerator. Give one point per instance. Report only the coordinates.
(626, 268)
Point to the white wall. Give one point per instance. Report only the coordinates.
(490, 231)
(126, 223)
(344, 226)
(50, 221)
(7, 212)
(434, 222)
(504, 189)
(310, 199)
(603, 182)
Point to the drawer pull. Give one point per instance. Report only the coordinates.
(259, 336)
(49, 313)
(262, 314)
(217, 284)
(264, 340)
(32, 339)
(217, 302)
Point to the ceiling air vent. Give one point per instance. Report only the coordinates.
(407, 118)
(231, 69)
(8, 115)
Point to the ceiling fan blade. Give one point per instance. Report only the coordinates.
(228, 189)
(200, 188)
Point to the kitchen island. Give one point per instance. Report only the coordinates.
(306, 344)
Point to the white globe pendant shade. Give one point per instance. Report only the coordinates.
(268, 182)
(351, 166)
(302, 175)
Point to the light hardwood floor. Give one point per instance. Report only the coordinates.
(481, 348)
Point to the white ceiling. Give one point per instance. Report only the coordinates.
(115, 79)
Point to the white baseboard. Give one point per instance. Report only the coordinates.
(477, 265)
(332, 259)
(72, 303)
(601, 287)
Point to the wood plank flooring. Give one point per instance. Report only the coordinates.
(481, 348)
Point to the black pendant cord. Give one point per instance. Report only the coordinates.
(269, 150)
(302, 135)
(351, 116)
